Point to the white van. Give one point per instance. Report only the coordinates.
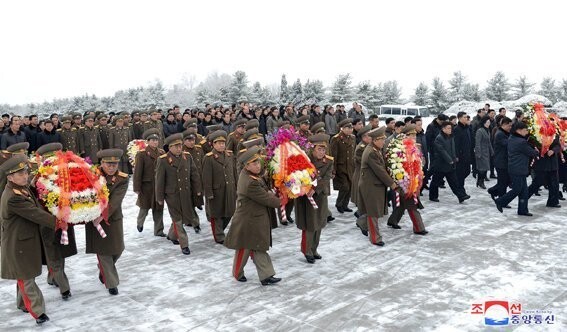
(399, 112)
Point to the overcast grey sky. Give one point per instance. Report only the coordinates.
(54, 49)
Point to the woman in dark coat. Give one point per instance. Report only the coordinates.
(483, 151)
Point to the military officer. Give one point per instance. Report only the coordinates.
(208, 145)
(342, 149)
(137, 126)
(372, 184)
(77, 119)
(192, 123)
(250, 134)
(155, 122)
(303, 123)
(196, 152)
(69, 136)
(406, 203)
(89, 140)
(237, 135)
(251, 231)
(109, 249)
(21, 253)
(310, 220)
(179, 185)
(219, 181)
(120, 136)
(364, 141)
(318, 128)
(144, 182)
(55, 252)
(104, 130)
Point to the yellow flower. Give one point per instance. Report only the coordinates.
(399, 176)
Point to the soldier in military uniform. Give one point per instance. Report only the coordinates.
(196, 152)
(364, 141)
(342, 149)
(155, 122)
(192, 124)
(208, 145)
(372, 185)
(120, 136)
(219, 181)
(310, 220)
(89, 140)
(303, 123)
(144, 182)
(77, 119)
(137, 126)
(21, 253)
(104, 130)
(55, 252)
(408, 204)
(250, 134)
(251, 230)
(12, 150)
(318, 128)
(109, 249)
(69, 136)
(237, 135)
(178, 184)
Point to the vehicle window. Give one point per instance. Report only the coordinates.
(396, 111)
(412, 111)
(386, 110)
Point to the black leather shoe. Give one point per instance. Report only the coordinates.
(395, 226)
(310, 259)
(186, 251)
(100, 278)
(464, 198)
(442, 186)
(347, 209)
(290, 220)
(330, 218)
(434, 200)
(537, 194)
(340, 209)
(554, 206)
(317, 256)
(492, 176)
(499, 207)
(113, 291)
(526, 214)
(357, 215)
(41, 319)
(492, 196)
(140, 228)
(242, 279)
(421, 233)
(365, 233)
(161, 235)
(561, 198)
(220, 242)
(24, 310)
(507, 207)
(66, 295)
(197, 229)
(271, 280)
(380, 244)
(173, 241)
(285, 223)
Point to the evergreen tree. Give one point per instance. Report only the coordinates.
(471, 92)
(364, 94)
(438, 96)
(421, 95)
(456, 86)
(498, 87)
(563, 90)
(202, 97)
(313, 91)
(341, 90)
(391, 92)
(284, 90)
(256, 94)
(296, 94)
(522, 87)
(239, 87)
(548, 89)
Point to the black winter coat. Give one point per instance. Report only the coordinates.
(445, 155)
(501, 149)
(463, 143)
(519, 154)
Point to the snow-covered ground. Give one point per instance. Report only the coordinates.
(412, 283)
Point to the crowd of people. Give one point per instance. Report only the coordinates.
(212, 159)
